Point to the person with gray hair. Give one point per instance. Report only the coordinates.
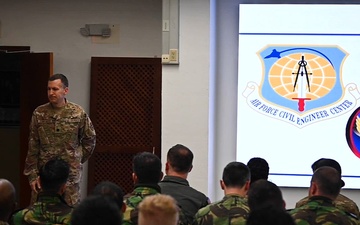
(158, 209)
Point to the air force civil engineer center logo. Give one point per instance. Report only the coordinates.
(302, 85)
(298, 96)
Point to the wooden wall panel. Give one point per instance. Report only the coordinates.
(125, 109)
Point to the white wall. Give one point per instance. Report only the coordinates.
(53, 26)
(185, 97)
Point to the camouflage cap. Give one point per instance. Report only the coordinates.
(327, 162)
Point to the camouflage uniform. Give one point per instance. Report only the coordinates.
(132, 202)
(65, 132)
(3, 223)
(321, 210)
(342, 202)
(232, 209)
(49, 209)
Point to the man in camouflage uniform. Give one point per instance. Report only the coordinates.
(7, 200)
(146, 175)
(59, 129)
(324, 188)
(342, 202)
(50, 208)
(233, 208)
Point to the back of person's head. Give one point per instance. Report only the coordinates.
(158, 209)
(54, 174)
(265, 194)
(96, 210)
(272, 216)
(7, 199)
(180, 158)
(147, 168)
(327, 162)
(112, 190)
(235, 174)
(61, 77)
(327, 181)
(259, 169)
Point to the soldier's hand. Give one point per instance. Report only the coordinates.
(35, 185)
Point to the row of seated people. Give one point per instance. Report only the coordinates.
(243, 203)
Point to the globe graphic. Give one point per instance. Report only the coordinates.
(321, 75)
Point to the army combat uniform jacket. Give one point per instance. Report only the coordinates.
(232, 209)
(49, 209)
(65, 132)
(132, 202)
(321, 210)
(341, 202)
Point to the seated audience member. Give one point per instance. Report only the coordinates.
(271, 216)
(342, 202)
(233, 208)
(50, 207)
(259, 169)
(7, 200)
(175, 184)
(325, 187)
(265, 194)
(146, 176)
(111, 190)
(158, 209)
(267, 206)
(96, 210)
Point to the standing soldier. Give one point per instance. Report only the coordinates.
(62, 129)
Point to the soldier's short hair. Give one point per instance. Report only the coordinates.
(110, 189)
(236, 174)
(147, 167)
(327, 162)
(265, 194)
(328, 180)
(96, 209)
(259, 169)
(180, 158)
(158, 209)
(54, 174)
(60, 76)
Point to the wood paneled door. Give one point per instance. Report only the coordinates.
(125, 108)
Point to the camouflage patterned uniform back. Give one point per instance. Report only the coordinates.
(341, 202)
(65, 132)
(321, 210)
(132, 202)
(232, 209)
(49, 209)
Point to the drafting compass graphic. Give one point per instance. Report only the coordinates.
(302, 82)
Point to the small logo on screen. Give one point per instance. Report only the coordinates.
(353, 132)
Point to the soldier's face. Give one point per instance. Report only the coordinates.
(57, 92)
